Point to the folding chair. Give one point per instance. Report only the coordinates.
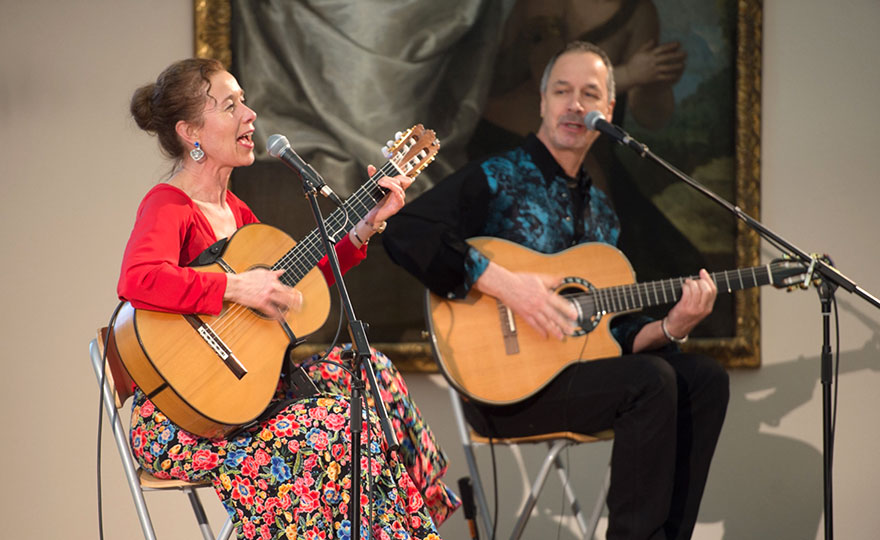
(556, 442)
(116, 391)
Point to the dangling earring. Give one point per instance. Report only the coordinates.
(197, 153)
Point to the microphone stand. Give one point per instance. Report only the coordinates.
(830, 279)
(357, 329)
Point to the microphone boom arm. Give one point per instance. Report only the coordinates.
(832, 278)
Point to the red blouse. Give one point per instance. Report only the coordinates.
(169, 232)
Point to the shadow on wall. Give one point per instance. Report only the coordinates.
(765, 485)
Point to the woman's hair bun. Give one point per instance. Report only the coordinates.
(141, 107)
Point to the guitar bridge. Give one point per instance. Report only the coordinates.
(508, 329)
(220, 349)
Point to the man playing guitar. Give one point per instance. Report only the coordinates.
(666, 407)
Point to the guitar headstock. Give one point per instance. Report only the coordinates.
(788, 273)
(413, 150)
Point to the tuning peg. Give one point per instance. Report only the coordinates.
(398, 135)
(386, 151)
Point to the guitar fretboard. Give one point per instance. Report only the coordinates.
(666, 291)
(300, 260)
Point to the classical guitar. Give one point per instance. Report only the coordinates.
(211, 374)
(491, 356)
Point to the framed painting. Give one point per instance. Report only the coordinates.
(711, 132)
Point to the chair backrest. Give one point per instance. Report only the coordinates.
(115, 373)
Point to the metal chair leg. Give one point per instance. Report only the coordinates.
(576, 510)
(600, 503)
(226, 531)
(470, 457)
(552, 459)
(525, 511)
(121, 438)
(199, 512)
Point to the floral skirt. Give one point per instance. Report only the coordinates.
(290, 476)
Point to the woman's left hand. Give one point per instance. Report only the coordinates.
(393, 201)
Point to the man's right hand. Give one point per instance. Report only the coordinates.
(531, 297)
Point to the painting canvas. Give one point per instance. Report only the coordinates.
(707, 124)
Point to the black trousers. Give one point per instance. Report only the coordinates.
(666, 411)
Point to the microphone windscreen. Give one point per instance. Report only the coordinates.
(276, 144)
(592, 117)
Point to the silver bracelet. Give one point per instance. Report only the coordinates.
(356, 235)
(373, 227)
(669, 336)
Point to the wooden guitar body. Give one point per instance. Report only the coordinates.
(184, 376)
(468, 335)
(490, 355)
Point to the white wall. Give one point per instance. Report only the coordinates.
(74, 167)
(820, 189)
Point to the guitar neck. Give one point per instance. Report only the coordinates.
(300, 260)
(666, 291)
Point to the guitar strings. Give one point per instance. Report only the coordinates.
(292, 260)
(312, 242)
(309, 245)
(633, 296)
(225, 327)
(228, 325)
(626, 297)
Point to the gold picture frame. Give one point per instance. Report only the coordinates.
(742, 350)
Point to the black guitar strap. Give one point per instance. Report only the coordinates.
(212, 255)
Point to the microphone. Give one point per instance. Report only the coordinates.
(278, 146)
(595, 121)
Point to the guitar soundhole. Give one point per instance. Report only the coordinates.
(581, 293)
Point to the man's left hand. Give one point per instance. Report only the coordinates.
(695, 304)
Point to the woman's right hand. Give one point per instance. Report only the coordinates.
(261, 289)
